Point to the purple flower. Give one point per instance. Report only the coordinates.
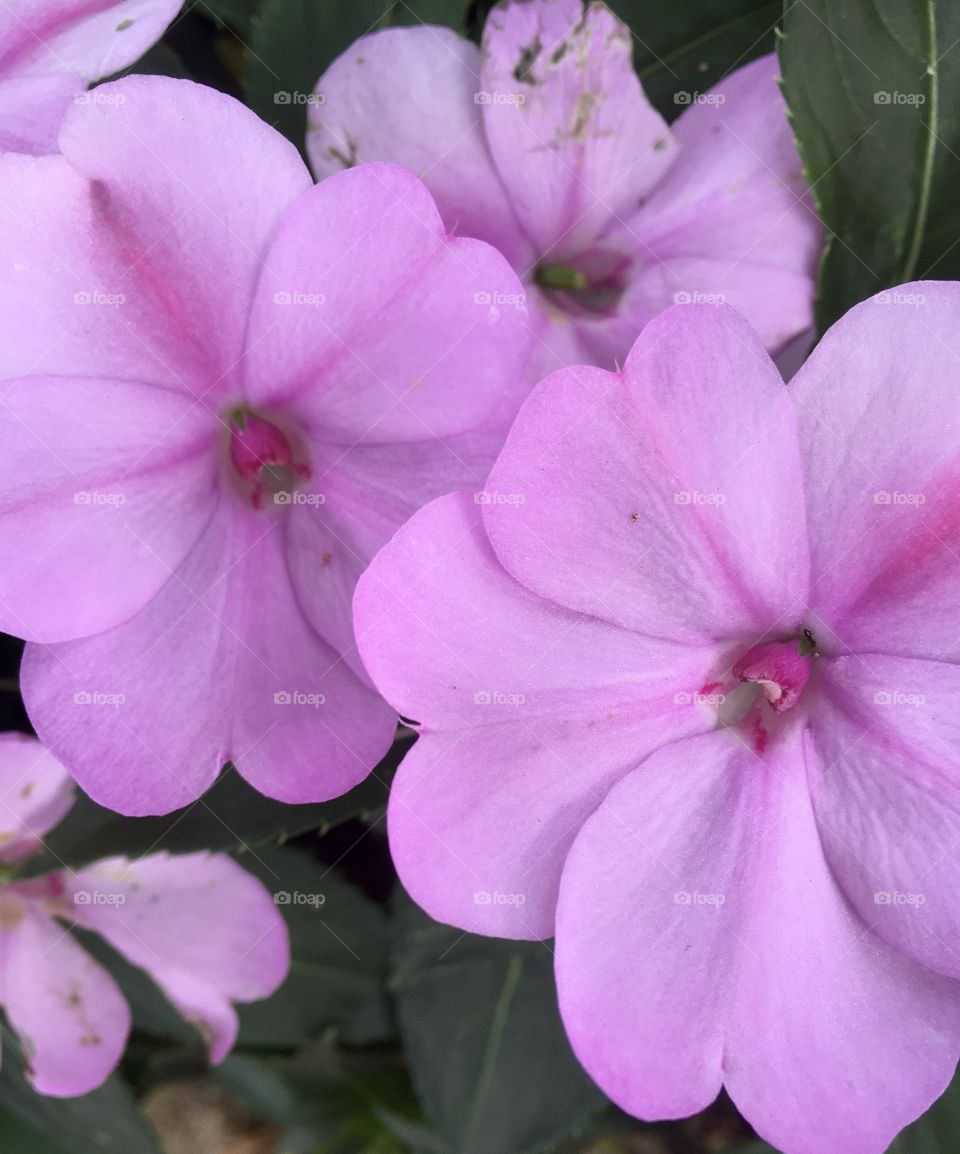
(50, 50)
(545, 145)
(224, 388)
(686, 674)
(205, 930)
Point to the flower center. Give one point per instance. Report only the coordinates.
(590, 286)
(780, 668)
(263, 458)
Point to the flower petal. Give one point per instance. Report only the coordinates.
(888, 797)
(528, 713)
(33, 107)
(67, 1011)
(410, 96)
(742, 960)
(73, 36)
(571, 133)
(882, 461)
(36, 792)
(137, 259)
(104, 485)
(204, 929)
(666, 497)
(731, 220)
(388, 332)
(220, 665)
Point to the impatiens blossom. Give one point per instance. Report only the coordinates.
(224, 388)
(50, 50)
(205, 930)
(544, 144)
(686, 673)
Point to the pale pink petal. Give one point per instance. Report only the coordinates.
(413, 96)
(883, 473)
(376, 334)
(140, 261)
(888, 797)
(220, 665)
(354, 504)
(571, 132)
(89, 39)
(36, 792)
(732, 219)
(524, 731)
(700, 886)
(664, 497)
(205, 930)
(836, 1041)
(32, 108)
(67, 1011)
(105, 487)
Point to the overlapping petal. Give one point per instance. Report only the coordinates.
(207, 931)
(35, 793)
(655, 497)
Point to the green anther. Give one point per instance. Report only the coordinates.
(560, 277)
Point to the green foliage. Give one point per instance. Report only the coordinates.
(484, 1040)
(874, 95)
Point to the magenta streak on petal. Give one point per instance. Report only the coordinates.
(779, 669)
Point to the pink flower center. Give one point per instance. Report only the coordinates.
(588, 286)
(780, 668)
(263, 458)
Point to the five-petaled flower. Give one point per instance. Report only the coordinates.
(225, 388)
(732, 789)
(205, 930)
(544, 144)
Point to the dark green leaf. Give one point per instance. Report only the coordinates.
(338, 942)
(295, 41)
(683, 49)
(230, 814)
(17, 1137)
(108, 1121)
(235, 14)
(874, 95)
(484, 1039)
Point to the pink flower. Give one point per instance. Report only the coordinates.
(50, 50)
(225, 388)
(686, 673)
(545, 145)
(205, 930)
